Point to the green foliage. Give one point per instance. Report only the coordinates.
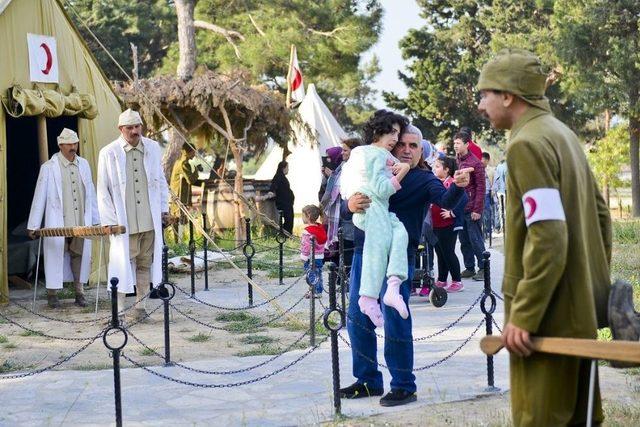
(150, 25)
(256, 339)
(447, 55)
(626, 232)
(3, 339)
(609, 155)
(330, 37)
(199, 337)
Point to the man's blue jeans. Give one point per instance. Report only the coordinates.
(472, 242)
(488, 216)
(398, 355)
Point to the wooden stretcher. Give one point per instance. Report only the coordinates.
(94, 232)
(622, 351)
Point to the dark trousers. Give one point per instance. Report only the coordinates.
(446, 251)
(471, 242)
(398, 355)
(287, 215)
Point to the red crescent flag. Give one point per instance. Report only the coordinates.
(43, 58)
(295, 83)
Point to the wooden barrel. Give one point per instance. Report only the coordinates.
(219, 202)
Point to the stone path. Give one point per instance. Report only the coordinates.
(300, 395)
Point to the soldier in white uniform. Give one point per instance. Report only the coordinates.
(133, 191)
(65, 197)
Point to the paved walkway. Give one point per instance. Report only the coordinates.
(300, 395)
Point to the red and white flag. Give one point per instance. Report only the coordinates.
(295, 85)
(43, 58)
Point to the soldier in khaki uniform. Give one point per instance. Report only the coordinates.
(557, 248)
(183, 176)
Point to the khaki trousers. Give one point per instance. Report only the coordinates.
(141, 251)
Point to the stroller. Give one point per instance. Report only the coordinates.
(422, 277)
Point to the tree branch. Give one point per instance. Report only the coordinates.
(255, 25)
(331, 33)
(230, 35)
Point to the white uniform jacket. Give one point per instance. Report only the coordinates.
(112, 184)
(47, 202)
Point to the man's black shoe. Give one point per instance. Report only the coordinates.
(358, 390)
(397, 397)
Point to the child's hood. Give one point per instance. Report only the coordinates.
(318, 231)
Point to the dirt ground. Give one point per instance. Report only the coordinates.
(620, 390)
(241, 334)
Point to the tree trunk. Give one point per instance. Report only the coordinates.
(238, 186)
(171, 153)
(606, 192)
(634, 154)
(186, 38)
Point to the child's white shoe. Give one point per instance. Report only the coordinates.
(393, 298)
(370, 307)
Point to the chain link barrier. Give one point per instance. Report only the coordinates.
(423, 368)
(496, 325)
(246, 307)
(228, 385)
(55, 365)
(231, 372)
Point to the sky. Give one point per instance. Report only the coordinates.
(396, 23)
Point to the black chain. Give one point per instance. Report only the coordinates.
(77, 321)
(229, 385)
(496, 325)
(55, 365)
(497, 295)
(42, 334)
(145, 317)
(246, 307)
(423, 368)
(237, 371)
(259, 325)
(402, 340)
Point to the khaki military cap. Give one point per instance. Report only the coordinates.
(516, 71)
(67, 136)
(129, 118)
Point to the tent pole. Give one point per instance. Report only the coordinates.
(43, 144)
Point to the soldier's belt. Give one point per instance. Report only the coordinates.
(87, 231)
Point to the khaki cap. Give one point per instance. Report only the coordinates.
(519, 72)
(67, 136)
(129, 118)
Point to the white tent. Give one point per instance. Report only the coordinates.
(305, 158)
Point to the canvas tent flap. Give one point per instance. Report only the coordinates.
(33, 102)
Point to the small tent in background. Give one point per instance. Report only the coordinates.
(306, 152)
(45, 86)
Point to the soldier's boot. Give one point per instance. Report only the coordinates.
(80, 299)
(52, 298)
(624, 321)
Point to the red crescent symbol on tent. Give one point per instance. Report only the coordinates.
(297, 80)
(47, 51)
(530, 205)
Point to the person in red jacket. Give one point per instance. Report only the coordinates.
(473, 147)
(310, 217)
(471, 239)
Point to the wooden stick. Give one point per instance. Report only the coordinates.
(88, 231)
(623, 351)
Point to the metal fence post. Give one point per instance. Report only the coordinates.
(335, 357)
(206, 249)
(249, 251)
(115, 350)
(342, 273)
(312, 280)
(281, 238)
(166, 297)
(488, 317)
(192, 256)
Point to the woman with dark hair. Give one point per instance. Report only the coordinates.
(281, 190)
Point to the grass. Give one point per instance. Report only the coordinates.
(93, 367)
(617, 414)
(3, 339)
(256, 339)
(8, 366)
(240, 322)
(148, 351)
(30, 334)
(199, 337)
(10, 346)
(267, 350)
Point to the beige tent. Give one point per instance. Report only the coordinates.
(32, 114)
